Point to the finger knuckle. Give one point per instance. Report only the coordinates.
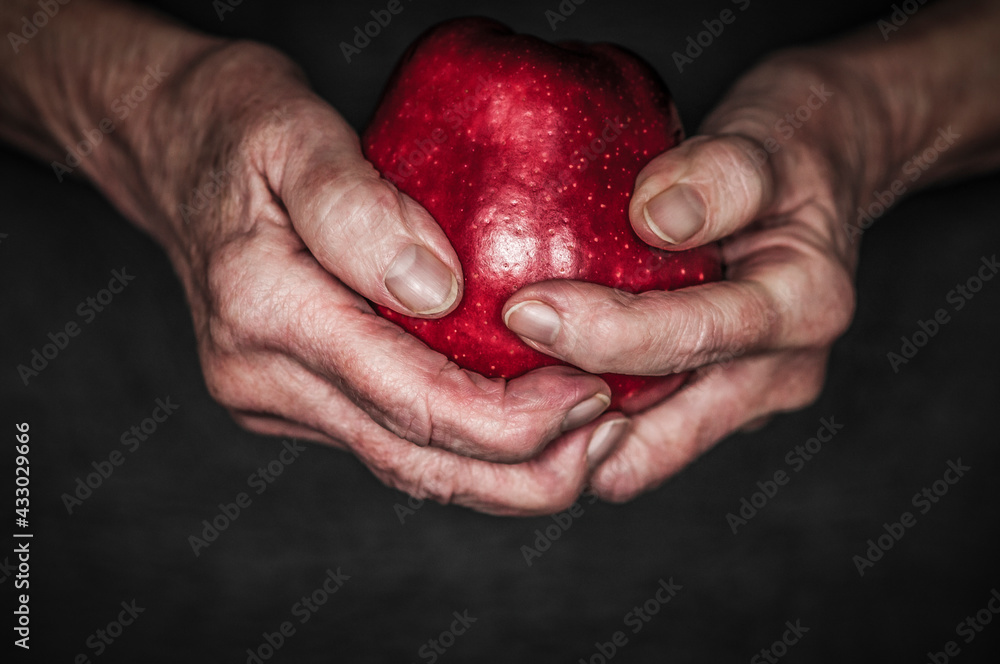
(238, 382)
(709, 331)
(551, 490)
(733, 177)
(500, 438)
(245, 304)
(843, 301)
(483, 418)
(518, 440)
(558, 499)
(593, 351)
(224, 383)
(832, 305)
(763, 316)
(415, 426)
(266, 59)
(619, 482)
(802, 385)
(423, 421)
(361, 208)
(606, 331)
(435, 480)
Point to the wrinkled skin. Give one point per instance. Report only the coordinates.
(758, 342)
(291, 351)
(282, 252)
(273, 273)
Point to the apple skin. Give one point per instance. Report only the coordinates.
(526, 154)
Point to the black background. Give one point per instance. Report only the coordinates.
(792, 561)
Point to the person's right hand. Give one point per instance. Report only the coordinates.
(279, 230)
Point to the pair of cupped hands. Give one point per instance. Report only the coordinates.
(282, 233)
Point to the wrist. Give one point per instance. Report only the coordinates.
(218, 125)
(149, 136)
(83, 93)
(928, 94)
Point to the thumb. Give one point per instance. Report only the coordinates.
(376, 240)
(703, 190)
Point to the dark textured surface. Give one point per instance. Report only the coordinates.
(792, 561)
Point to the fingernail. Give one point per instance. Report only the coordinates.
(675, 214)
(604, 440)
(585, 411)
(535, 320)
(421, 282)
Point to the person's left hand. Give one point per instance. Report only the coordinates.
(759, 341)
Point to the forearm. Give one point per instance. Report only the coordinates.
(934, 81)
(80, 91)
(871, 115)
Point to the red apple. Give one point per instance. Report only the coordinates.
(526, 154)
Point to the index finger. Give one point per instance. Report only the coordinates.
(785, 290)
(300, 311)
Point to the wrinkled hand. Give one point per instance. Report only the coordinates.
(280, 230)
(776, 192)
